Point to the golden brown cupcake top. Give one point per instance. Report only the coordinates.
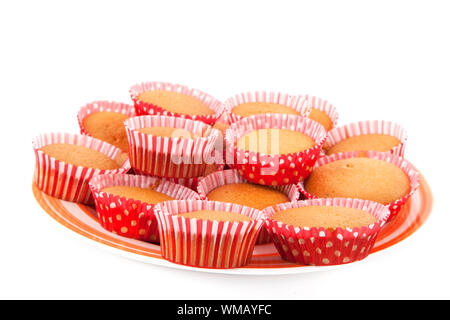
(248, 194)
(80, 156)
(275, 141)
(216, 216)
(147, 195)
(176, 102)
(109, 127)
(169, 132)
(328, 217)
(361, 178)
(252, 108)
(375, 142)
(321, 117)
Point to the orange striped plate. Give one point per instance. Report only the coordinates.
(83, 220)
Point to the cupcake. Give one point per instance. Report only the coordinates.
(262, 102)
(380, 177)
(230, 186)
(65, 163)
(382, 136)
(104, 120)
(275, 149)
(162, 98)
(207, 234)
(322, 112)
(170, 147)
(125, 203)
(325, 231)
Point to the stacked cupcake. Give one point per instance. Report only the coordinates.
(208, 181)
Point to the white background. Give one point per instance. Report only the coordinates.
(372, 60)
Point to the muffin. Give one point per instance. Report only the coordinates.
(382, 136)
(153, 151)
(104, 120)
(274, 149)
(162, 98)
(379, 177)
(322, 112)
(207, 234)
(65, 163)
(325, 231)
(125, 203)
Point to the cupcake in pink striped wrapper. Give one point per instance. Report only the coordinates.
(275, 149)
(64, 164)
(347, 231)
(230, 186)
(377, 176)
(322, 111)
(125, 203)
(375, 135)
(207, 234)
(247, 104)
(164, 98)
(104, 120)
(182, 152)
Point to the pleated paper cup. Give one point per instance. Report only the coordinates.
(166, 156)
(206, 243)
(274, 170)
(67, 181)
(324, 106)
(297, 103)
(232, 176)
(389, 128)
(129, 217)
(145, 108)
(323, 246)
(402, 163)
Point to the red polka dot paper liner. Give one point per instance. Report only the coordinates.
(339, 134)
(274, 169)
(102, 106)
(207, 243)
(230, 176)
(129, 217)
(324, 106)
(64, 180)
(298, 103)
(144, 108)
(320, 246)
(402, 163)
(166, 156)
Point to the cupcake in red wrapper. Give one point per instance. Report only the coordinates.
(163, 98)
(330, 245)
(378, 176)
(119, 200)
(225, 238)
(230, 186)
(104, 120)
(381, 136)
(247, 104)
(170, 155)
(59, 172)
(322, 111)
(275, 149)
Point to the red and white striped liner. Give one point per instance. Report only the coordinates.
(206, 243)
(339, 134)
(169, 157)
(321, 246)
(129, 217)
(64, 180)
(406, 166)
(324, 106)
(257, 167)
(298, 103)
(102, 106)
(231, 176)
(144, 108)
